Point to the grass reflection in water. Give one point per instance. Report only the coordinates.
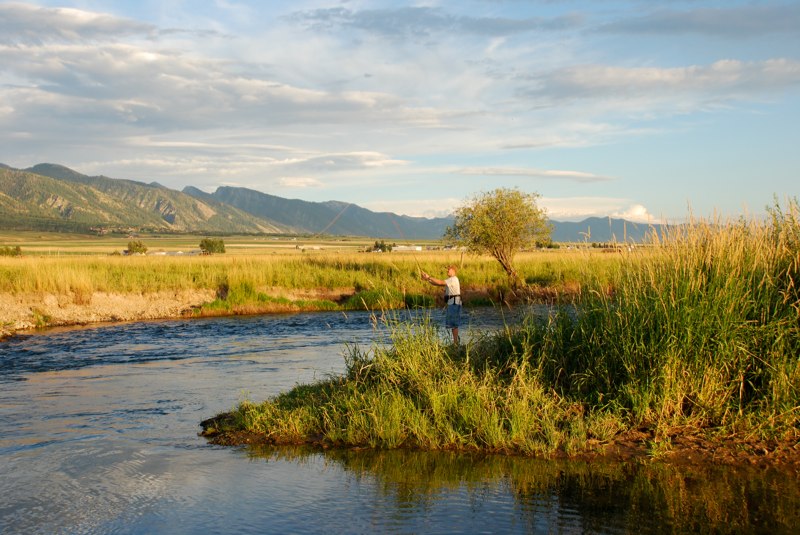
(634, 497)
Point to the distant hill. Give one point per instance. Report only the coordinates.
(331, 217)
(602, 230)
(49, 196)
(28, 200)
(54, 197)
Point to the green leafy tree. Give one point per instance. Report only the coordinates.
(500, 223)
(382, 246)
(212, 245)
(136, 246)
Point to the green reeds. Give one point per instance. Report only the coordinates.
(420, 392)
(703, 331)
(706, 331)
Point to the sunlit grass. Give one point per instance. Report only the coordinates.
(370, 277)
(704, 332)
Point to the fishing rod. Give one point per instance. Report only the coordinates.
(402, 237)
(334, 220)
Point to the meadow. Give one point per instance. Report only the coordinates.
(263, 274)
(697, 339)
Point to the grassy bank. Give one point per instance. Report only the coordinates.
(317, 280)
(701, 335)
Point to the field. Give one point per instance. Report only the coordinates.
(254, 269)
(35, 243)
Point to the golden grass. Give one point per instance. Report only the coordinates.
(289, 270)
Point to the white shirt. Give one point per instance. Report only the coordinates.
(452, 287)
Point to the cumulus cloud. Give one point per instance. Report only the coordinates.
(575, 176)
(164, 90)
(578, 208)
(635, 212)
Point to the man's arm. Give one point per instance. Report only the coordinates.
(433, 280)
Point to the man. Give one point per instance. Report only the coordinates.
(452, 296)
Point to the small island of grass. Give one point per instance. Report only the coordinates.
(693, 348)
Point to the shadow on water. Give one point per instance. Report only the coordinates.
(569, 496)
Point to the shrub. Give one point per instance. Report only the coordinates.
(136, 247)
(212, 245)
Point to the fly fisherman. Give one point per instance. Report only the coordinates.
(452, 296)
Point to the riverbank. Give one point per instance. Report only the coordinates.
(686, 446)
(24, 312)
(28, 312)
(40, 292)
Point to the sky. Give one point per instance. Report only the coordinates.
(655, 111)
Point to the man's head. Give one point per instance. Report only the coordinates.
(451, 271)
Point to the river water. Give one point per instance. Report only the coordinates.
(99, 435)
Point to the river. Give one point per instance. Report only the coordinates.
(100, 435)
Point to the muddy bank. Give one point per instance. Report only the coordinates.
(687, 446)
(23, 312)
(38, 311)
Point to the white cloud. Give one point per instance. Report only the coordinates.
(557, 208)
(300, 182)
(416, 207)
(635, 212)
(736, 22)
(24, 23)
(422, 22)
(724, 79)
(578, 208)
(575, 176)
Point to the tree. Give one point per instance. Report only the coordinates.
(136, 247)
(381, 246)
(211, 245)
(500, 223)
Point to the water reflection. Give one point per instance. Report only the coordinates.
(545, 496)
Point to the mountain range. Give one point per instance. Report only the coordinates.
(54, 197)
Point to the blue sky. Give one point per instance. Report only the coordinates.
(631, 108)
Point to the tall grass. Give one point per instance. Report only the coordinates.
(370, 277)
(703, 332)
(419, 393)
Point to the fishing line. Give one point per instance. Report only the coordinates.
(334, 220)
(402, 237)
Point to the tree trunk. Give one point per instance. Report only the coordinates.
(508, 267)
